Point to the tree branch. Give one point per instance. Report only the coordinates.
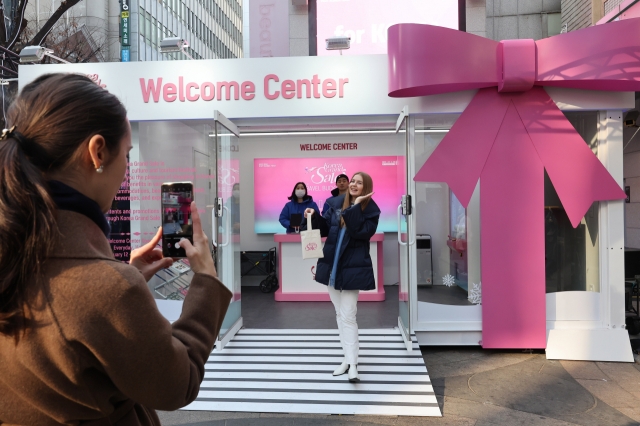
(46, 28)
(3, 28)
(19, 24)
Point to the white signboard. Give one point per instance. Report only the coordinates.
(278, 87)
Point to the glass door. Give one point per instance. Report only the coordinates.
(226, 221)
(447, 309)
(406, 232)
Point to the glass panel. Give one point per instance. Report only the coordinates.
(572, 255)
(457, 242)
(403, 234)
(442, 251)
(228, 251)
(169, 151)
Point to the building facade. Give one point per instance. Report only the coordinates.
(131, 30)
(213, 28)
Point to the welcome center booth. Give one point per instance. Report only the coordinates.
(258, 126)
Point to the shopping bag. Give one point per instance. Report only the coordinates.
(311, 242)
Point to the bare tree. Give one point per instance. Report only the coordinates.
(12, 26)
(73, 39)
(76, 42)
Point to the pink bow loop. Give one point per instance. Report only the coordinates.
(517, 63)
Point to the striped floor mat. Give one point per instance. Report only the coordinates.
(289, 371)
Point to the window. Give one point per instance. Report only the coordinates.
(154, 32)
(572, 255)
(141, 22)
(147, 26)
(554, 24)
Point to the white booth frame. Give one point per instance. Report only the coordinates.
(580, 325)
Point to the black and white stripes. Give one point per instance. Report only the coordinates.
(289, 371)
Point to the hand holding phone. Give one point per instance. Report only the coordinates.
(198, 253)
(177, 219)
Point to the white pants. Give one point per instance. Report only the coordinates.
(345, 302)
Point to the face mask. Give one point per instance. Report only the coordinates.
(236, 194)
(300, 193)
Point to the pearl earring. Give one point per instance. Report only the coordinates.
(100, 169)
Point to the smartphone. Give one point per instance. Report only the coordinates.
(177, 222)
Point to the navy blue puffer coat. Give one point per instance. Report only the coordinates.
(355, 269)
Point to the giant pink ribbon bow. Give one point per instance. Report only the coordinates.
(508, 135)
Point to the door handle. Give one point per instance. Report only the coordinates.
(214, 226)
(226, 214)
(399, 214)
(409, 242)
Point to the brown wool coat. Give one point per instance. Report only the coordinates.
(100, 342)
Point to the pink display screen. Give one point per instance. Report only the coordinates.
(366, 21)
(274, 179)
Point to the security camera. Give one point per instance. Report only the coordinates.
(338, 43)
(33, 54)
(173, 44)
(631, 118)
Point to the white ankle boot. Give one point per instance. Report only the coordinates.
(341, 369)
(353, 373)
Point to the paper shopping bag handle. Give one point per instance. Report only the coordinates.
(309, 227)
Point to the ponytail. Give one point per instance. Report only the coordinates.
(27, 231)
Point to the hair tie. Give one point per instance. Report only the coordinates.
(36, 154)
(13, 133)
(7, 133)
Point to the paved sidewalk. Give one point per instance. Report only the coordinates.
(477, 387)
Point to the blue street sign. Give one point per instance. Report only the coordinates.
(124, 54)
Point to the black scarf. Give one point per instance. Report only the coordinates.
(67, 198)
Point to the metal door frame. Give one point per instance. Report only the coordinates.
(218, 117)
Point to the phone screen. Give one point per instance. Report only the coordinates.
(177, 222)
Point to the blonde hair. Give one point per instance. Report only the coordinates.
(367, 188)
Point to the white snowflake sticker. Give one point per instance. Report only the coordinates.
(475, 294)
(448, 280)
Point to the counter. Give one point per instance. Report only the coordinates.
(296, 276)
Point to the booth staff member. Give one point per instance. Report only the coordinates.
(299, 202)
(349, 223)
(342, 185)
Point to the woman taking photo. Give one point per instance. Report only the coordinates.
(81, 338)
(299, 202)
(349, 222)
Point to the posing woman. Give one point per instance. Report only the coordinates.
(81, 338)
(299, 202)
(349, 222)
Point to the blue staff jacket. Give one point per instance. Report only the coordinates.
(296, 207)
